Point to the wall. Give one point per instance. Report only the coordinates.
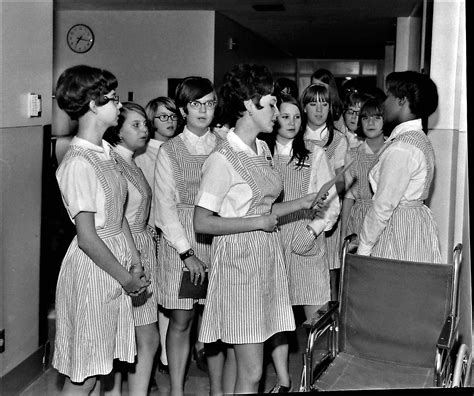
(251, 49)
(26, 65)
(140, 47)
(448, 132)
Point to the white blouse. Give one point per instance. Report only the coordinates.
(166, 195)
(80, 187)
(399, 176)
(222, 189)
(320, 134)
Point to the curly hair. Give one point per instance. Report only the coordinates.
(80, 84)
(244, 82)
(112, 134)
(418, 88)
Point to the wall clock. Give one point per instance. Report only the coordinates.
(80, 38)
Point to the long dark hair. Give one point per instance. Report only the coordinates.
(313, 93)
(299, 152)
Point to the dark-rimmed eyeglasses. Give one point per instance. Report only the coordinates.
(352, 112)
(114, 98)
(166, 117)
(196, 104)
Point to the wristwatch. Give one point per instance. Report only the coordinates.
(188, 253)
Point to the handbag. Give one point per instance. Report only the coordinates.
(187, 289)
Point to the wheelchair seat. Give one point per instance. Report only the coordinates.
(395, 326)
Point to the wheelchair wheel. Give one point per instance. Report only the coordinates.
(462, 368)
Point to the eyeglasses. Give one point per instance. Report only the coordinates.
(196, 104)
(115, 99)
(166, 117)
(352, 112)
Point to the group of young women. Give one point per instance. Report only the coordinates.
(165, 192)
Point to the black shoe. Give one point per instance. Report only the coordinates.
(281, 389)
(163, 368)
(201, 359)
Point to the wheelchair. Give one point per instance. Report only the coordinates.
(395, 326)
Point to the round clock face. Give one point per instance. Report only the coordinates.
(80, 38)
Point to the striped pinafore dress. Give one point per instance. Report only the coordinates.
(187, 176)
(333, 237)
(94, 320)
(308, 272)
(247, 298)
(360, 188)
(411, 233)
(145, 305)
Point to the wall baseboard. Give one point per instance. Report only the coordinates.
(19, 378)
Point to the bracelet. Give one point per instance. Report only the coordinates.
(311, 231)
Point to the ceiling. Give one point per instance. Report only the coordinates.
(330, 29)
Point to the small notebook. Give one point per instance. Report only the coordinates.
(190, 290)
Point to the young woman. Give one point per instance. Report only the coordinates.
(163, 117)
(320, 130)
(324, 76)
(358, 198)
(398, 225)
(247, 300)
(304, 170)
(352, 104)
(177, 177)
(102, 267)
(129, 136)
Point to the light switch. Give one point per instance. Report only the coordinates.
(34, 105)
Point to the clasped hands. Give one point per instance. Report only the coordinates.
(138, 282)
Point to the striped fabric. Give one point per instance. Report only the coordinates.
(333, 237)
(145, 306)
(411, 233)
(361, 190)
(94, 321)
(187, 175)
(305, 256)
(247, 298)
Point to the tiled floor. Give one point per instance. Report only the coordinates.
(197, 383)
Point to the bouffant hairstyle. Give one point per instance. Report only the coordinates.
(112, 134)
(319, 93)
(300, 152)
(152, 109)
(418, 88)
(192, 88)
(244, 82)
(78, 85)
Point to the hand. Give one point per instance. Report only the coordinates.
(196, 268)
(269, 223)
(138, 281)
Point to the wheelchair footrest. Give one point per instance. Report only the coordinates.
(350, 372)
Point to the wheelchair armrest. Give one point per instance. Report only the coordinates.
(322, 315)
(448, 334)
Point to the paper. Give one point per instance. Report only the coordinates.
(326, 186)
